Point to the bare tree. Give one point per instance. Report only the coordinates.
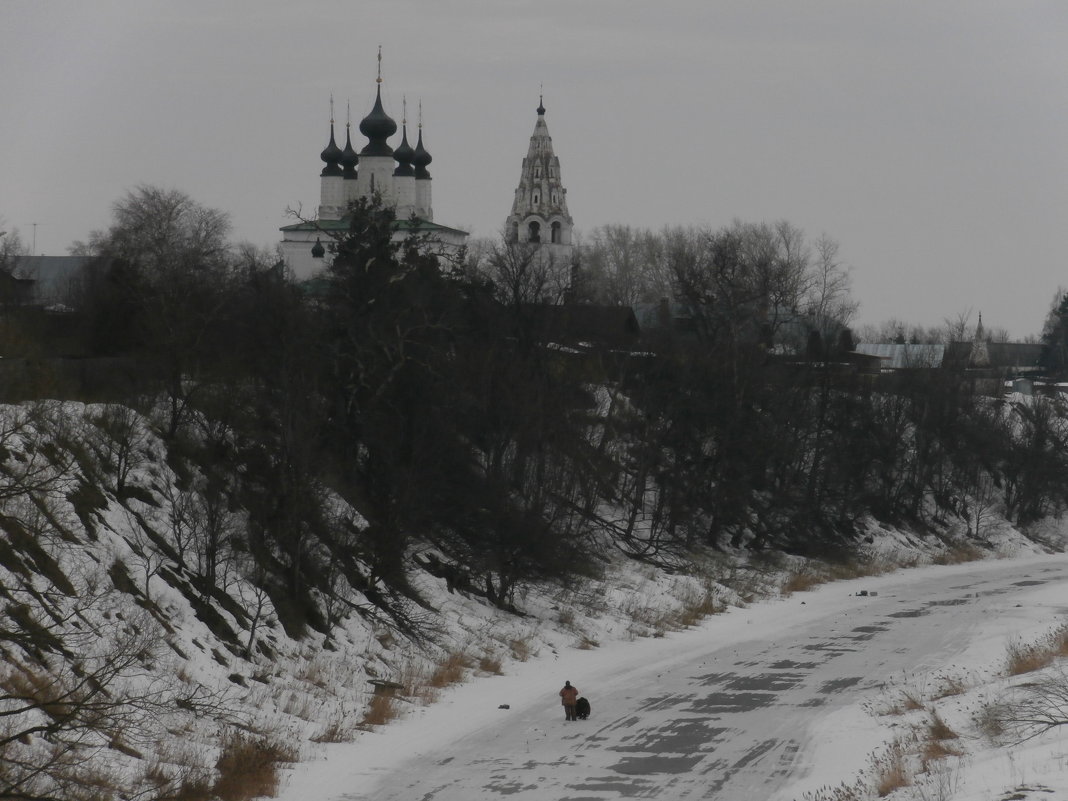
(623, 266)
(828, 299)
(75, 679)
(119, 439)
(170, 274)
(11, 247)
(525, 272)
(202, 528)
(1036, 707)
(958, 328)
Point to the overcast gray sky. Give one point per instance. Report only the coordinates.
(930, 138)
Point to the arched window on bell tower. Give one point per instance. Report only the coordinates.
(555, 233)
(534, 232)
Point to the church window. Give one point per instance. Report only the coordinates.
(537, 172)
(537, 197)
(555, 233)
(534, 232)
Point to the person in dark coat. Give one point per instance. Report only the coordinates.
(569, 697)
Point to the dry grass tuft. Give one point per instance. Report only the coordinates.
(936, 744)
(381, 710)
(949, 686)
(451, 670)
(904, 701)
(990, 720)
(248, 768)
(857, 791)
(1021, 658)
(1026, 658)
(490, 664)
(695, 609)
(859, 568)
(934, 750)
(1057, 641)
(193, 789)
(300, 705)
(911, 702)
(938, 729)
(521, 650)
(801, 581)
(891, 770)
(959, 554)
(336, 731)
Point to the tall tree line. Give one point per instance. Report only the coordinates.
(405, 409)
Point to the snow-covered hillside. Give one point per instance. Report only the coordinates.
(133, 667)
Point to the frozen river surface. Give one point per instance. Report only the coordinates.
(723, 711)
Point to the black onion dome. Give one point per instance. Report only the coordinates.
(349, 159)
(318, 251)
(377, 127)
(404, 156)
(421, 159)
(331, 155)
(541, 107)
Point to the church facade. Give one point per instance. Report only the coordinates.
(399, 176)
(539, 221)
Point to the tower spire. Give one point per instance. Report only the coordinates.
(539, 211)
(379, 78)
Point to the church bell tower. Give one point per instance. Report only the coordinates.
(539, 211)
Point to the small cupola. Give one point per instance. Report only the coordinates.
(421, 158)
(405, 155)
(349, 158)
(331, 155)
(318, 251)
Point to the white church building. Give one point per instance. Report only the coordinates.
(539, 216)
(398, 175)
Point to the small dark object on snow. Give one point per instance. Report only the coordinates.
(862, 593)
(386, 688)
(504, 706)
(582, 709)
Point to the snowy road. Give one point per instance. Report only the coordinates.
(721, 712)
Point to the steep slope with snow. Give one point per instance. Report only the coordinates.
(146, 655)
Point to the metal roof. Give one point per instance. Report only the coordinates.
(901, 356)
